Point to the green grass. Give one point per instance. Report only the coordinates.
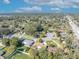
(28, 37)
(9, 50)
(57, 43)
(1, 47)
(20, 56)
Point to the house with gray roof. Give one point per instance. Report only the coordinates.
(28, 43)
(49, 36)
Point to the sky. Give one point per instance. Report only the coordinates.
(39, 6)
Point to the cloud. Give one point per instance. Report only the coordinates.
(37, 1)
(33, 9)
(75, 6)
(58, 3)
(56, 10)
(6, 1)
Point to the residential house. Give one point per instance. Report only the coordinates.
(10, 36)
(28, 43)
(49, 36)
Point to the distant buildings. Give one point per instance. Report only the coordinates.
(63, 34)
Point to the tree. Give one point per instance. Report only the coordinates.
(30, 28)
(6, 42)
(14, 41)
(43, 53)
(50, 55)
(33, 54)
(39, 28)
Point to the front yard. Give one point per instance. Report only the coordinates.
(20, 56)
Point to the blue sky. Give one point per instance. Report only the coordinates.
(39, 6)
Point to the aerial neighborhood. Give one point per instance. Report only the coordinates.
(39, 37)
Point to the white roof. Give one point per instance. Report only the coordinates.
(49, 35)
(27, 42)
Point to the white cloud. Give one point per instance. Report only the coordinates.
(6, 1)
(75, 6)
(55, 9)
(58, 3)
(33, 9)
(37, 1)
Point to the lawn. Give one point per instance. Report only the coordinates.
(28, 37)
(1, 47)
(20, 56)
(9, 50)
